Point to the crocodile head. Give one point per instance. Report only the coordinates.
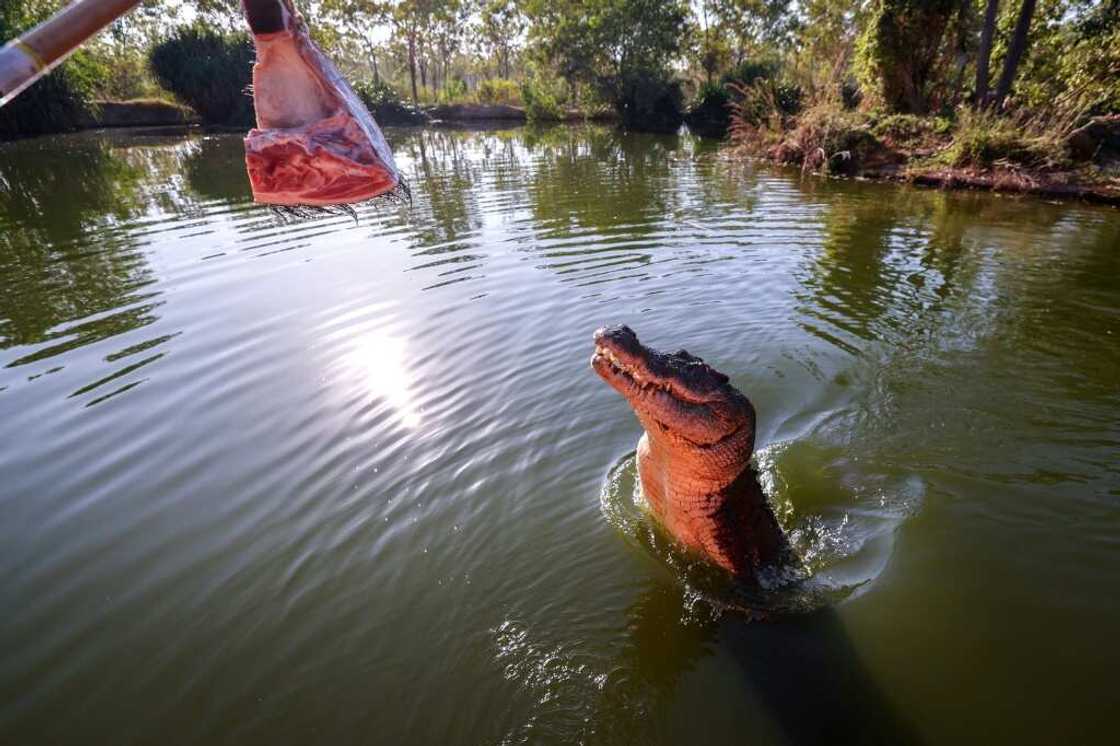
(689, 410)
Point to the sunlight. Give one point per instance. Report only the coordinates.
(378, 361)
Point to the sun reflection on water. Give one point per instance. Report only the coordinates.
(378, 361)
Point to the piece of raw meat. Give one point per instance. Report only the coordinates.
(314, 143)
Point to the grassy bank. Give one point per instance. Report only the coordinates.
(1074, 157)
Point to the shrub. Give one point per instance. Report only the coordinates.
(757, 121)
(709, 114)
(499, 91)
(208, 71)
(59, 102)
(542, 99)
(130, 77)
(752, 71)
(832, 140)
(986, 140)
(386, 105)
(646, 100)
(453, 91)
(909, 130)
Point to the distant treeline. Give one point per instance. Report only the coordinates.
(656, 63)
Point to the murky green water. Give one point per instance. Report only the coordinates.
(338, 482)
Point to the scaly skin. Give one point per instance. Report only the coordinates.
(694, 458)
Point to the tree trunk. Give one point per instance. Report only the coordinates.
(1014, 53)
(412, 67)
(371, 50)
(984, 54)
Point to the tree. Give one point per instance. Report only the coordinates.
(984, 54)
(500, 24)
(608, 38)
(409, 18)
(752, 24)
(357, 21)
(1015, 53)
(899, 51)
(625, 48)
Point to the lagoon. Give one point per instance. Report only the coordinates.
(353, 481)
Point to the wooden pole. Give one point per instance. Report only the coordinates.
(27, 58)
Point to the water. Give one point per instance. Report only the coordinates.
(354, 482)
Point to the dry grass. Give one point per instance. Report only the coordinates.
(984, 140)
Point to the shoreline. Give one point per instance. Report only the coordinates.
(1061, 185)
(146, 115)
(1090, 183)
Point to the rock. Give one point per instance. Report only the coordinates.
(1097, 140)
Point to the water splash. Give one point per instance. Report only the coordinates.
(841, 525)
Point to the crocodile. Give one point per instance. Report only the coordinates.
(694, 459)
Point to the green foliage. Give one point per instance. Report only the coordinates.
(712, 94)
(1073, 64)
(499, 91)
(616, 45)
(59, 102)
(909, 130)
(985, 140)
(898, 53)
(128, 75)
(208, 71)
(542, 98)
(646, 100)
(833, 140)
(622, 48)
(453, 91)
(377, 95)
(709, 114)
(752, 70)
(386, 105)
(750, 25)
(760, 82)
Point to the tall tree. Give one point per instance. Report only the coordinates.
(500, 23)
(357, 21)
(1015, 53)
(752, 24)
(899, 51)
(409, 20)
(984, 54)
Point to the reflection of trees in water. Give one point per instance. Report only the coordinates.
(70, 208)
(620, 191)
(893, 261)
(989, 317)
(598, 179)
(803, 672)
(62, 253)
(215, 170)
(599, 200)
(75, 212)
(445, 210)
(850, 285)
